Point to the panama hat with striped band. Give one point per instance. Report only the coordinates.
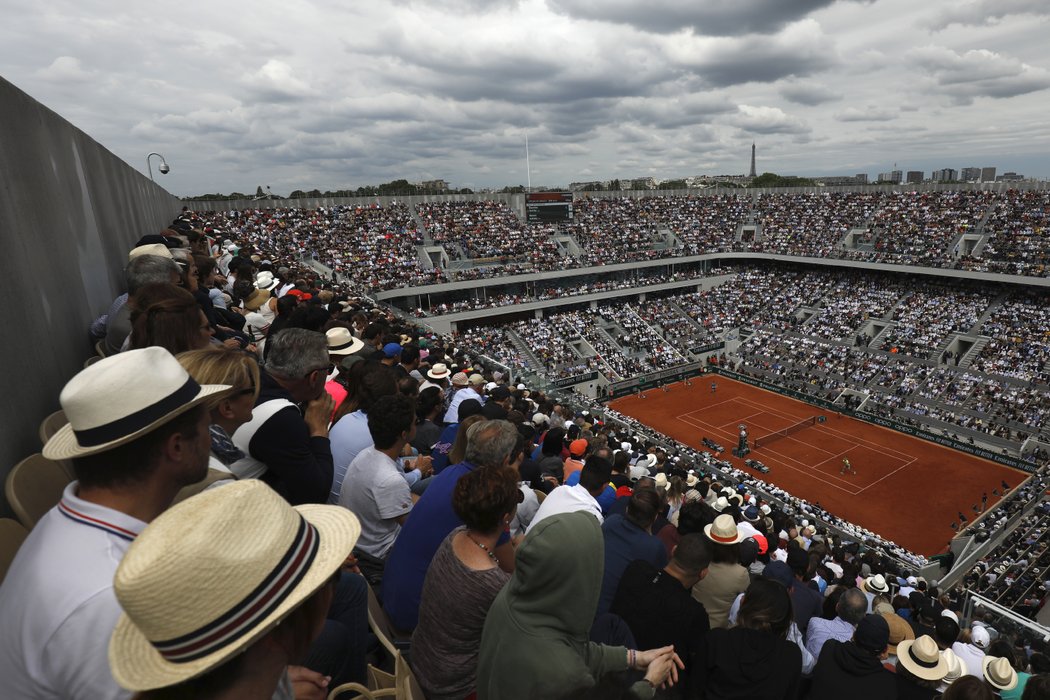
(342, 342)
(123, 397)
(922, 658)
(723, 530)
(999, 673)
(214, 574)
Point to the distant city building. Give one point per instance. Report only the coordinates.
(944, 175)
(914, 176)
(862, 178)
(987, 174)
(434, 185)
(894, 176)
(1009, 177)
(970, 174)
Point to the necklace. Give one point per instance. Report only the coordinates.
(492, 555)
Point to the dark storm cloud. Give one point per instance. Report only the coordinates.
(706, 17)
(809, 94)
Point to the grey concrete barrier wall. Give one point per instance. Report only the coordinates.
(69, 212)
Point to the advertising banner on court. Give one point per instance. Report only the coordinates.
(576, 379)
(644, 382)
(884, 422)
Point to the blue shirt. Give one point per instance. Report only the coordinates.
(439, 454)
(428, 525)
(348, 436)
(625, 542)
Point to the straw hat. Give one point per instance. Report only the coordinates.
(256, 299)
(662, 482)
(999, 672)
(692, 479)
(459, 379)
(955, 667)
(342, 342)
(215, 573)
(438, 371)
(922, 659)
(158, 249)
(876, 584)
(123, 397)
(723, 531)
(721, 504)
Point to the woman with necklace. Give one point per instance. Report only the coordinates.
(462, 581)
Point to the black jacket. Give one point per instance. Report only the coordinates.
(844, 670)
(746, 664)
(298, 466)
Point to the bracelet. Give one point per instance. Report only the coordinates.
(632, 658)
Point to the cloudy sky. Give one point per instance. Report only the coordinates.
(332, 95)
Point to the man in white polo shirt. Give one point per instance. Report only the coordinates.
(133, 445)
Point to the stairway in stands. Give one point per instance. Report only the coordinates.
(523, 348)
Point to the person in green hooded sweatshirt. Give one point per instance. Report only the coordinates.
(535, 642)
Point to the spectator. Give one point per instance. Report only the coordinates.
(169, 317)
(658, 608)
(854, 669)
(920, 669)
(447, 641)
(240, 534)
(968, 688)
(490, 445)
(850, 610)
(374, 488)
(535, 639)
(140, 271)
(972, 652)
(221, 365)
(629, 538)
(754, 658)
(130, 460)
(726, 578)
(369, 381)
(566, 499)
(287, 449)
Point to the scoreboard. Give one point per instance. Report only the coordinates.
(541, 207)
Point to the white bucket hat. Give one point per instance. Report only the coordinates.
(123, 397)
(214, 574)
(723, 531)
(662, 482)
(265, 280)
(342, 342)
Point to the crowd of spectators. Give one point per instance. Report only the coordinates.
(667, 559)
(1017, 243)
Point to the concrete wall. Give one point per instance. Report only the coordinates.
(69, 212)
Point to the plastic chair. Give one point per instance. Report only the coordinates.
(35, 486)
(91, 360)
(382, 628)
(100, 348)
(193, 489)
(540, 495)
(12, 535)
(50, 425)
(406, 687)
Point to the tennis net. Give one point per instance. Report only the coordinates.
(776, 435)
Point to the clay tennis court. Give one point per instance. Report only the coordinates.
(906, 489)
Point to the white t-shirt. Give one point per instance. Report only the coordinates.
(377, 493)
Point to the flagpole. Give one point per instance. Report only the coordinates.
(528, 169)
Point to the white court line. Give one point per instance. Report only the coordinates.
(783, 460)
(906, 464)
(704, 408)
(744, 419)
(843, 435)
